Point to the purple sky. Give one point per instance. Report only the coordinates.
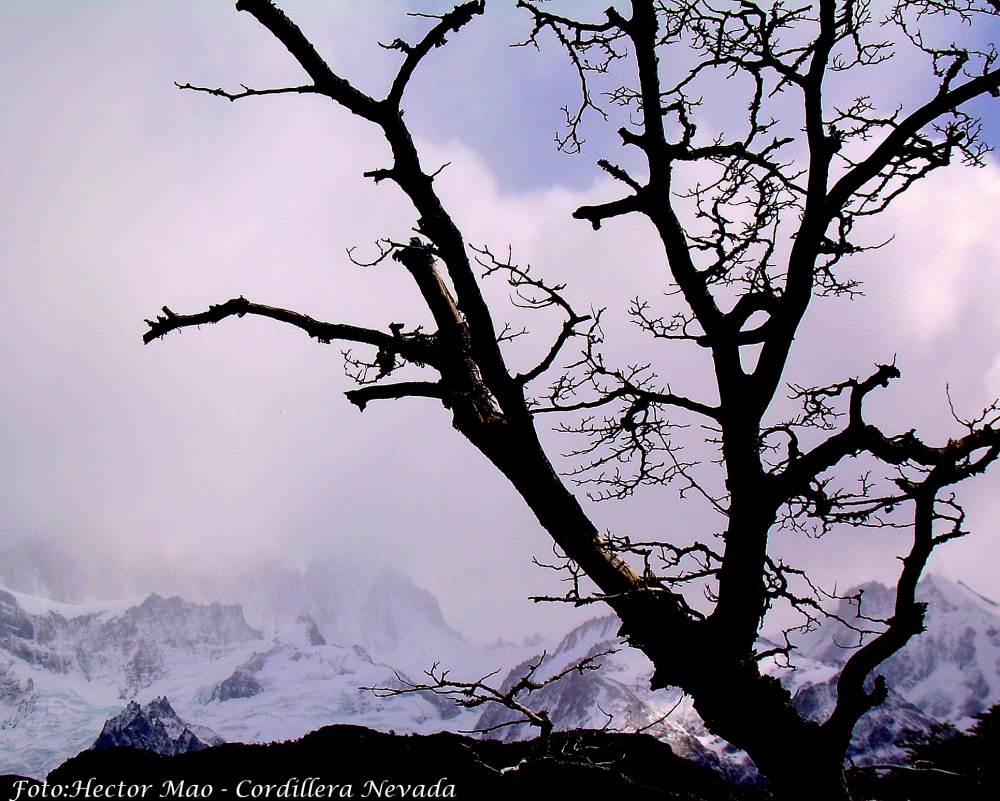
(221, 447)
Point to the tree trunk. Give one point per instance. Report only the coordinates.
(800, 759)
(814, 779)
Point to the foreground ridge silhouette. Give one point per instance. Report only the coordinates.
(579, 763)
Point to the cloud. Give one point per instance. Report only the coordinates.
(992, 378)
(233, 444)
(946, 259)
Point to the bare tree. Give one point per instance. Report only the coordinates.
(748, 243)
(513, 695)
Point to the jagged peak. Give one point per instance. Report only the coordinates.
(393, 599)
(595, 629)
(154, 727)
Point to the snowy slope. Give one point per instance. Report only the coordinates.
(617, 696)
(945, 674)
(65, 671)
(952, 670)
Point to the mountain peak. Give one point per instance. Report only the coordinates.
(155, 727)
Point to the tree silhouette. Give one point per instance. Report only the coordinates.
(753, 224)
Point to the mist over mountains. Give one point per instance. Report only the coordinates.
(297, 654)
(371, 605)
(64, 671)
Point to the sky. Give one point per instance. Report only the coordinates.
(123, 465)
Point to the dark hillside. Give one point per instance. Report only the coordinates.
(584, 764)
(361, 763)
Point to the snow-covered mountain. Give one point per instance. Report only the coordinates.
(946, 674)
(616, 695)
(65, 670)
(951, 671)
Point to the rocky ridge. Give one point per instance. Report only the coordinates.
(154, 727)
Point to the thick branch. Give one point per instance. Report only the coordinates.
(434, 222)
(644, 31)
(419, 260)
(949, 462)
(405, 389)
(238, 307)
(853, 700)
(955, 464)
(892, 145)
(605, 211)
(291, 36)
(851, 440)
